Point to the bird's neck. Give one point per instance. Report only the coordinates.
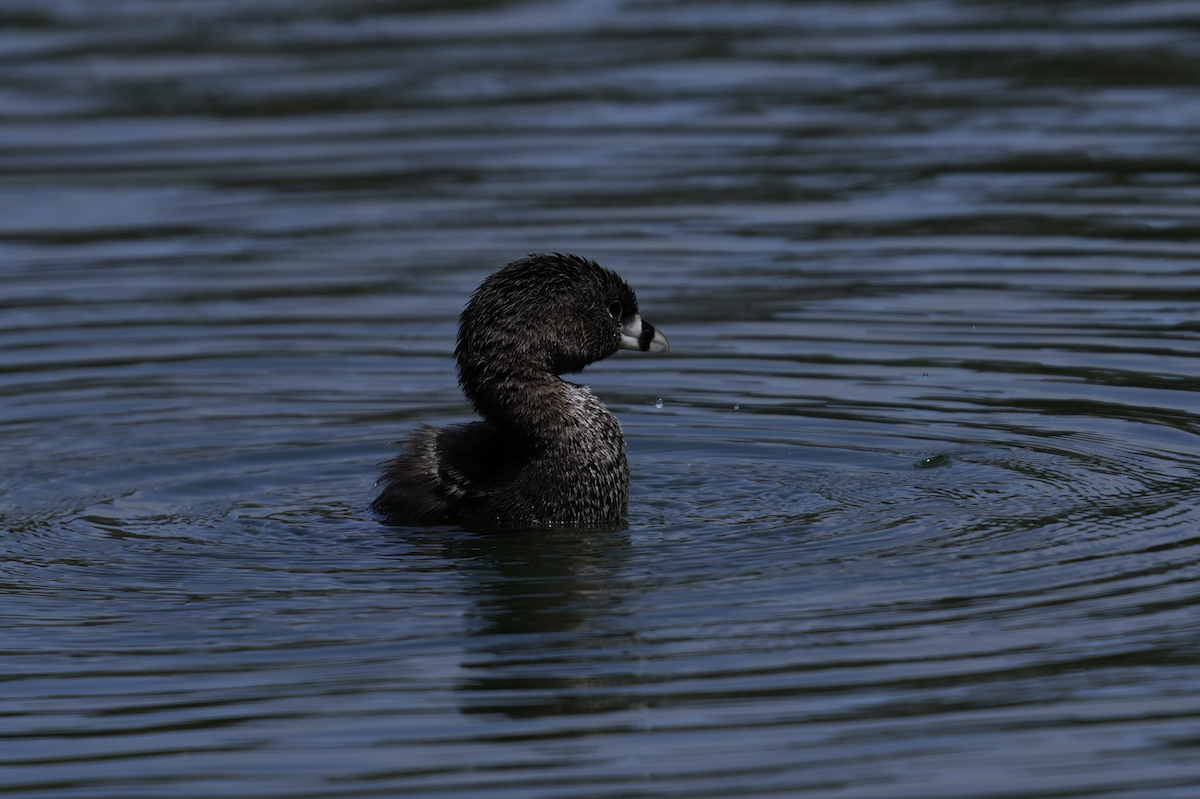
(527, 404)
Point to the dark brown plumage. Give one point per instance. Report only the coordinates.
(547, 451)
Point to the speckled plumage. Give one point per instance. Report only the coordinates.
(547, 451)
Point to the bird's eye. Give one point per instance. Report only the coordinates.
(615, 309)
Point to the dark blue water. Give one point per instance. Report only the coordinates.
(916, 494)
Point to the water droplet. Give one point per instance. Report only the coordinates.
(658, 404)
(932, 462)
(737, 407)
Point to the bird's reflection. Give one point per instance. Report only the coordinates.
(542, 621)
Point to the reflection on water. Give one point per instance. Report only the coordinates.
(914, 495)
(540, 602)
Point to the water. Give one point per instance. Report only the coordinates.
(916, 495)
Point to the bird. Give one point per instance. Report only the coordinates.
(547, 452)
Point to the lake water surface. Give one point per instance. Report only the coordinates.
(916, 494)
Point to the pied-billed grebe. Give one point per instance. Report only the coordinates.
(547, 452)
